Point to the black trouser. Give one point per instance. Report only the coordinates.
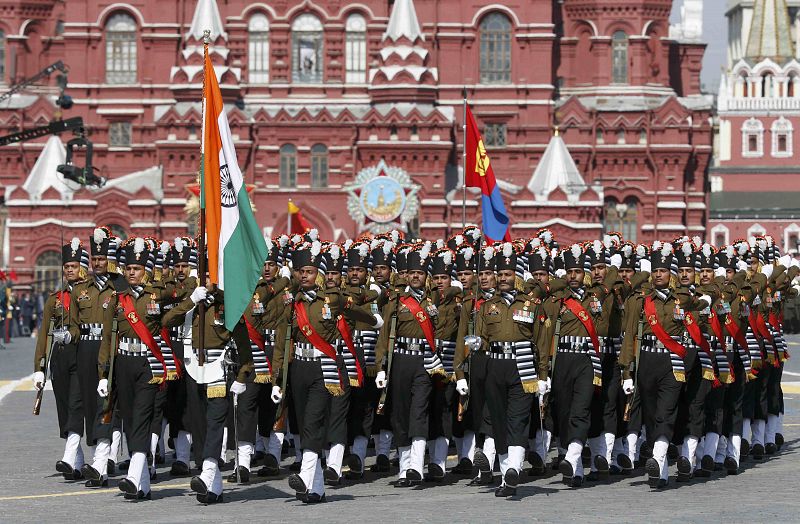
(508, 405)
(691, 416)
(734, 395)
(196, 406)
(216, 413)
(177, 411)
(572, 397)
(159, 409)
(715, 410)
(336, 421)
(410, 392)
(658, 392)
(443, 407)
(774, 392)
(754, 404)
(66, 389)
(311, 401)
(475, 417)
(361, 416)
(88, 379)
(135, 400)
(247, 412)
(604, 410)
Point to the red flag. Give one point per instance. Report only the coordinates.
(297, 223)
(479, 173)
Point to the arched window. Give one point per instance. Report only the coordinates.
(288, 168)
(121, 49)
(622, 217)
(356, 49)
(118, 231)
(495, 35)
(47, 271)
(319, 166)
(307, 49)
(768, 86)
(782, 132)
(619, 58)
(258, 49)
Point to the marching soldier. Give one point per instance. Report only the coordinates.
(63, 360)
(91, 309)
(661, 373)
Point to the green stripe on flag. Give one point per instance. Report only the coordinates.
(243, 259)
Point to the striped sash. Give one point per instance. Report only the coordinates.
(651, 344)
(524, 356)
(572, 344)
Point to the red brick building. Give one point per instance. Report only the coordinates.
(755, 179)
(325, 96)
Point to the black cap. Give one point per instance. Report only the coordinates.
(358, 255)
(726, 257)
(443, 262)
(382, 254)
(137, 251)
(539, 260)
(506, 257)
(308, 255)
(685, 254)
(101, 243)
(706, 257)
(661, 256)
(74, 252)
(419, 258)
(466, 259)
(332, 258)
(574, 257)
(597, 252)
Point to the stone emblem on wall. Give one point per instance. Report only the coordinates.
(382, 198)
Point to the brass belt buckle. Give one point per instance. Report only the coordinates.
(307, 352)
(134, 347)
(414, 346)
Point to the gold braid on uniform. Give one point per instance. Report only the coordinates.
(587, 279)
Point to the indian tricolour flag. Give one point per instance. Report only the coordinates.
(236, 250)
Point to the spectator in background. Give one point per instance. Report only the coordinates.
(27, 315)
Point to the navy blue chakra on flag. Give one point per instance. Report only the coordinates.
(228, 192)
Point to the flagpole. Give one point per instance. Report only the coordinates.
(464, 164)
(201, 245)
(289, 221)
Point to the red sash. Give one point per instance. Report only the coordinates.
(694, 331)
(577, 310)
(308, 331)
(716, 327)
(478, 303)
(736, 333)
(422, 318)
(775, 322)
(347, 336)
(64, 297)
(142, 331)
(762, 328)
(659, 331)
(168, 340)
(257, 339)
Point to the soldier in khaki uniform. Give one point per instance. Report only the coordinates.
(139, 367)
(413, 361)
(506, 327)
(660, 375)
(572, 331)
(314, 370)
(89, 323)
(220, 343)
(249, 418)
(63, 364)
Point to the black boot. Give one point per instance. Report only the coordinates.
(179, 469)
(244, 476)
(271, 467)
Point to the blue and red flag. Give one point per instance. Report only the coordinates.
(479, 173)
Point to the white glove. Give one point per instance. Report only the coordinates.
(285, 272)
(193, 273)
(38, 380)
(767, 270)
(741, 265)
(616, 260)
(795, 262)
(473, 342)
(237, 388)
(527, 276)
(720, 272)
(645, 266)
(706, 299)
(376, 288)
(380, 379)
(561, 273)
(102, 388)
(796, 287)
(199, 294)
(461, 387)
(61, 336)
(627, 386)
(276, 395)
(457, 283)
(785, 260)
(378, 321)
(544, 387)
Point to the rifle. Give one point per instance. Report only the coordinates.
(554, 349)
(463, 401)
(280, 417)
(392, 337)
(108, 402)
(626, 416)
(45, 364)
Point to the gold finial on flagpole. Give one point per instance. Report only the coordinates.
(207, 36)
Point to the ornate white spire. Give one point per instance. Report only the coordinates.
(770, 32)
(403, 22)
(206, 16)
(556, 169)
